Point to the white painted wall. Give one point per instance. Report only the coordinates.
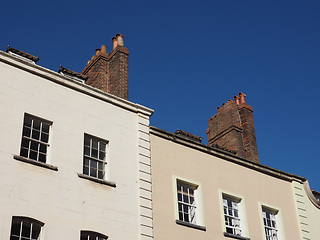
(60, 199)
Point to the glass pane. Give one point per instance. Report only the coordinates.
(102, 147)
(34, 146)
(185, 199)
(25, 143)
(86, 151)
(101, 155)
(100, 174)
(26, 132)
(85, 170)
(45, 128)
(35, 134)
(87, 141)
(100, 166)
(35, 231)
(86, 161)
(93, 172)
(179, 197)
(15, 228)
(94, 153)
(33, 155)
(36, 124)
(186, 217)
(180, 216)
(42, 158)
(27, 122)
(24, 152)
(43, 148)
(91, 237)
(94, 143)
(93, 164)
(44, 137)
(26, 229)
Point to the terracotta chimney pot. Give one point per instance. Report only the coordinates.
(115, 43)
(103, 49)
(120, 39)
(237, 99)
(98, 50)
(242, 98)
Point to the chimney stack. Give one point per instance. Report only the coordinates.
(233, 128)
(109, 72)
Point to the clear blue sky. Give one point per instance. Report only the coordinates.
(188, 57)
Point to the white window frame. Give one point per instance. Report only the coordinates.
(276, 212)
(242, 215)
(90, 159)
(35, 141)
(30, 223)
(232, 215)
(195, 208)
(87, 235)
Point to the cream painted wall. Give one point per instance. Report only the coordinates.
(215, 175)
(60, 199)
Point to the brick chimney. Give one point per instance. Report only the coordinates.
(233, 128)
(109, 72)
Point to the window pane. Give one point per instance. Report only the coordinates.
(100, 166)
(100, 174)
(43, 148)
(44, 137)
(93, 172)
(102, 147)
(45, 128)
(85, 170)
(86, 141)
(36, 124)
(86, 161)
(94, 153)
(24, 152)
(26, 132)
(42, 158)
(34, 146)
(33, 155)
(94, 144)
(35, 231)
(93, 164)
(87, 151)
(26, 228)
(101, 155)
(25, 143)
(35, 134)
(15, 228)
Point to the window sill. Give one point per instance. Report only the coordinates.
(191, 225)
(34, 162)
(97, 180)
(235, 236)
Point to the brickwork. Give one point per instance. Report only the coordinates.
(109, 72)
(233, 128)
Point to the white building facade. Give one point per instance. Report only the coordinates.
(74, 160)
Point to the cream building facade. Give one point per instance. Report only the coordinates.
(75, 160)
(208, 192)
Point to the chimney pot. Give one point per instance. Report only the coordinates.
(98, 50)
(120, 39)
(242, 98)
(115, 43)
(92, 57)
(237, 99)
(103, 49)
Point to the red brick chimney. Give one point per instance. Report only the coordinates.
(233, 128)
(109, 72)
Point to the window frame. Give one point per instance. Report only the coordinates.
(30, 139)
(242, 215)
(278, 217)
(234, 202)
(93, 234)
(199, 218)
(32, 221)
(97, 159)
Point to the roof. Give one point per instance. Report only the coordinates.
(72, 73)
(22, 54)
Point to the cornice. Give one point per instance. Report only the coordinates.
(225, 155)
(73, 84)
